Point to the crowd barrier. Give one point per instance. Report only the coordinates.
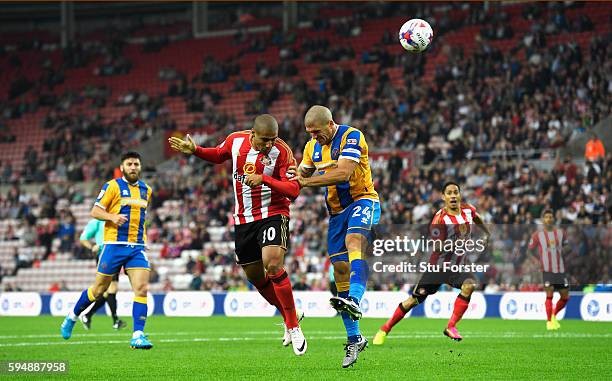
(595, 306)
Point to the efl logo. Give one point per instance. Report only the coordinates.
(596, 306)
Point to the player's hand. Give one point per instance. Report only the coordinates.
(291, 171)
(300, 180)
(187, 146)
(95, 249)
(254, 180)
(119, 219)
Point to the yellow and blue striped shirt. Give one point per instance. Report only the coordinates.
(348, 143)
(120, 197)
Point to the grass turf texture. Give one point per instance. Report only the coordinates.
(250, 348)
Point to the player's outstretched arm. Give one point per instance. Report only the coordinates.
(187, 146)
(340, 174)
(214, 155)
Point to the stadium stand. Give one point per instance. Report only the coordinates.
(491, 104)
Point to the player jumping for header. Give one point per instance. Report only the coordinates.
(263, 192)
(339, 154)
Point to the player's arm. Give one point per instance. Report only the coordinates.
(340, 174)
(216, 155)
(99, 211)
(88, 233)
(304, 171)
(284, 186)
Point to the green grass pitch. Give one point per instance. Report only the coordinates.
(250, 348)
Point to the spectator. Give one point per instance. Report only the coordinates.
(594, 149)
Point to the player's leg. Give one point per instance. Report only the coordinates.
(564, 297)
(273, 258)
(249, 257)
(362, 216)
(548, 306)
(111, 300)
(137, 269)
(88, 296)
(355, 341)
(86, 318)
(462, 303)
(338, 255)
(273, 239)
(356, 244)
(139, 279)
(108, 264)
(421, 290)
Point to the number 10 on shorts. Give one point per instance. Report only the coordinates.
(268, 235)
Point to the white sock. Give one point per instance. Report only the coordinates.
(72, 316)
(136, 334)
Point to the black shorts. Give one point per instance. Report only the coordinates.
(557, 280)
(253, 236)
(430, 282)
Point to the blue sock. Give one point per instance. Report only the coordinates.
(359, 278)
(139, 312)
(84, 301)
(352, 327)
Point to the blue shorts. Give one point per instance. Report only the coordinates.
(357, 218)
(115, 256)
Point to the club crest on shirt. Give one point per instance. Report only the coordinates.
(265, 161)
(335, 153)
(248, 168)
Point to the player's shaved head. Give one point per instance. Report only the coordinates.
(266, 124)
(264, 133)
(317, 115)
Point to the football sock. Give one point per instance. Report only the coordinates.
(284, 293)
(96, 306)
(111, 299)
(548, 305)
(352, 327)
(561, 304)
(266, 289)
(461, 305)
(84, 301)
(359, 276)
(139, 312)
(398, 315)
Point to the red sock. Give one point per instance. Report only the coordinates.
(266, 289)
(461, 304)
(548, 305)
(560, 304)
(284, 293)
(398, 315)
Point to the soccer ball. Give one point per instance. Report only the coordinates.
(415, 35)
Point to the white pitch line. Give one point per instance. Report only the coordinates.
(181, 333)
(238, 339)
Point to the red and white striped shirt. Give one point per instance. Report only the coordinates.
(446, 226)
(254, 204)
(550, 244)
